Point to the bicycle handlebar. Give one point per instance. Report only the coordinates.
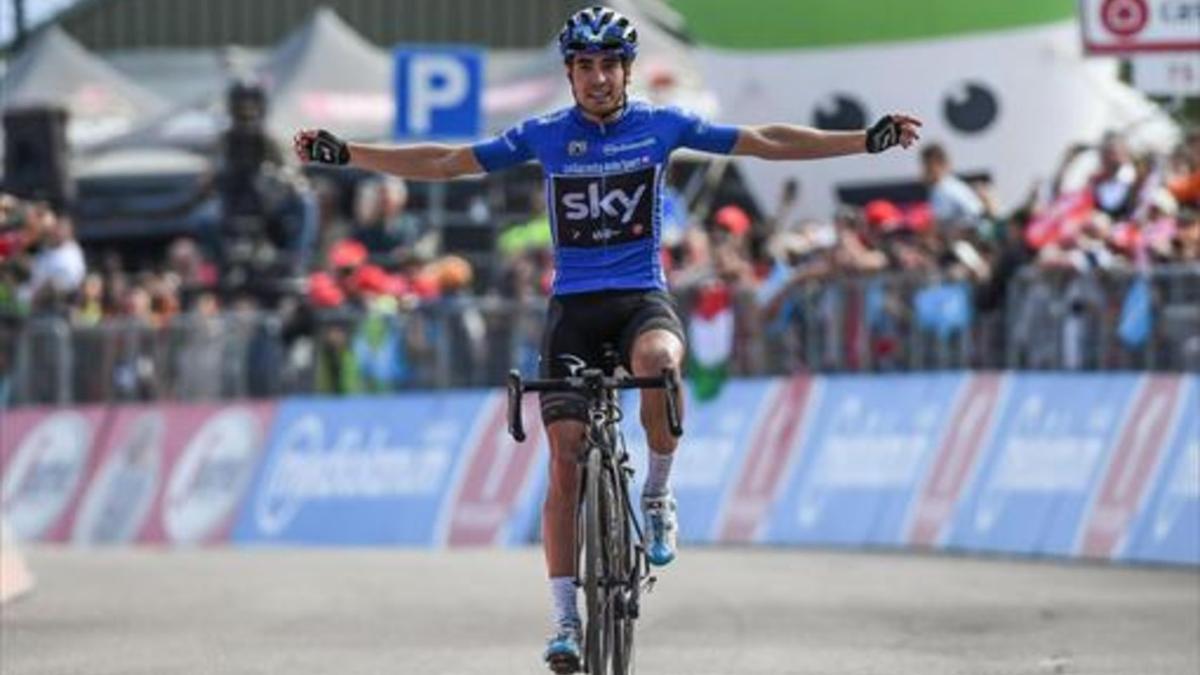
(589, 381)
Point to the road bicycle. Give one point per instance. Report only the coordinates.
(610, 543)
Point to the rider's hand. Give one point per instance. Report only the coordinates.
(318, 145)
(892, 130)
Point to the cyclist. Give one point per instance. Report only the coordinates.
(604, 160)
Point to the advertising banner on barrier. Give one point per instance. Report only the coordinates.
(868, 443)
(489, 497)
(1050, 450)
(718, 433)
(47, 456)
(364, 471)
(1134, 458)
(775, 442)
(970, 427)
(1168, 528)
(172, 474)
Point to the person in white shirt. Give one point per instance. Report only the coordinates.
(954, 204)
(58, 268)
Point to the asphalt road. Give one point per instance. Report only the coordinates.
(715, 612)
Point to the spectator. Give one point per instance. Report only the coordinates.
(380, 221)
(1187, 237)
(198, 367)
(954, 204)
(89, 306)
(462, 324)
(1114, 185)
(1185, 184)
(58, 266)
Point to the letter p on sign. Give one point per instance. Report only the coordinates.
(438, 93)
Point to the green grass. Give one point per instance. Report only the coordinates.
(783, 24)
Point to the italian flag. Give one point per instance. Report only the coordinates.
(710, 338)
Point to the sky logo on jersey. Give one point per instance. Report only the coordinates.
(597, 211)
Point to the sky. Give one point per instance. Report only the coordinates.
(35, 12)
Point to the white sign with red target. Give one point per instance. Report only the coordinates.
(1131, 26)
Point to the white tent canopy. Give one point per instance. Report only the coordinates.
(326, 75)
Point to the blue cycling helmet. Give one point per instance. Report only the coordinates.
(598, 29)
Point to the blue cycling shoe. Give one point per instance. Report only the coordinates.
(658, 515)
(563, 653)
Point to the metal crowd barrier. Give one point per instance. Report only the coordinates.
(1042, 320)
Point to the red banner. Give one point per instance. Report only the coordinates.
(172, 473)
(47, 456)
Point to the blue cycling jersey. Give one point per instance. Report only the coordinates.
(603, 187)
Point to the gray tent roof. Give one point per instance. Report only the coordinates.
(54, 70)
(326, 75)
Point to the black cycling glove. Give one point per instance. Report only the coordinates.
(326, 148)
(883, 134)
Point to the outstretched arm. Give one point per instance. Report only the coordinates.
(424, 161)
(787, 141)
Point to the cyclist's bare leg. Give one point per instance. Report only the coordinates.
(558, 510)
(653, 351)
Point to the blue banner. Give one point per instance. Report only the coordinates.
(717, 433)
(1168, 529)
(1052, 445)
(364, 471)
(867, 447)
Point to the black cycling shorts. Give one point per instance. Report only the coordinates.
(581, 323)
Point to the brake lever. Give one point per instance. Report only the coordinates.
(672, 390)
(515, 426)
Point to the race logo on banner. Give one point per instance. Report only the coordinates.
(957, 457)
(1134, 459)
(46, 457)
(777, 434)
(867, 445)
(172, 474)
(1168, 528)
(1050, 450)
(121, 494)
(366, 471)
(496, 472)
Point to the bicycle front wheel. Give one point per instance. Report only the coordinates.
(598, 639)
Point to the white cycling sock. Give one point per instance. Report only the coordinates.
(658, 471)
(563, 591)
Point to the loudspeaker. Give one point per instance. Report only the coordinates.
(37, 157)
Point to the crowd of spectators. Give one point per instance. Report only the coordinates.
(370, 264)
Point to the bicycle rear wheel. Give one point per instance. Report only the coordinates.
(598, 639)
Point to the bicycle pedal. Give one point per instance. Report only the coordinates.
(648, 585)
(563, 664)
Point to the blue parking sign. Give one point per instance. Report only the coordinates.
(438, 92)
